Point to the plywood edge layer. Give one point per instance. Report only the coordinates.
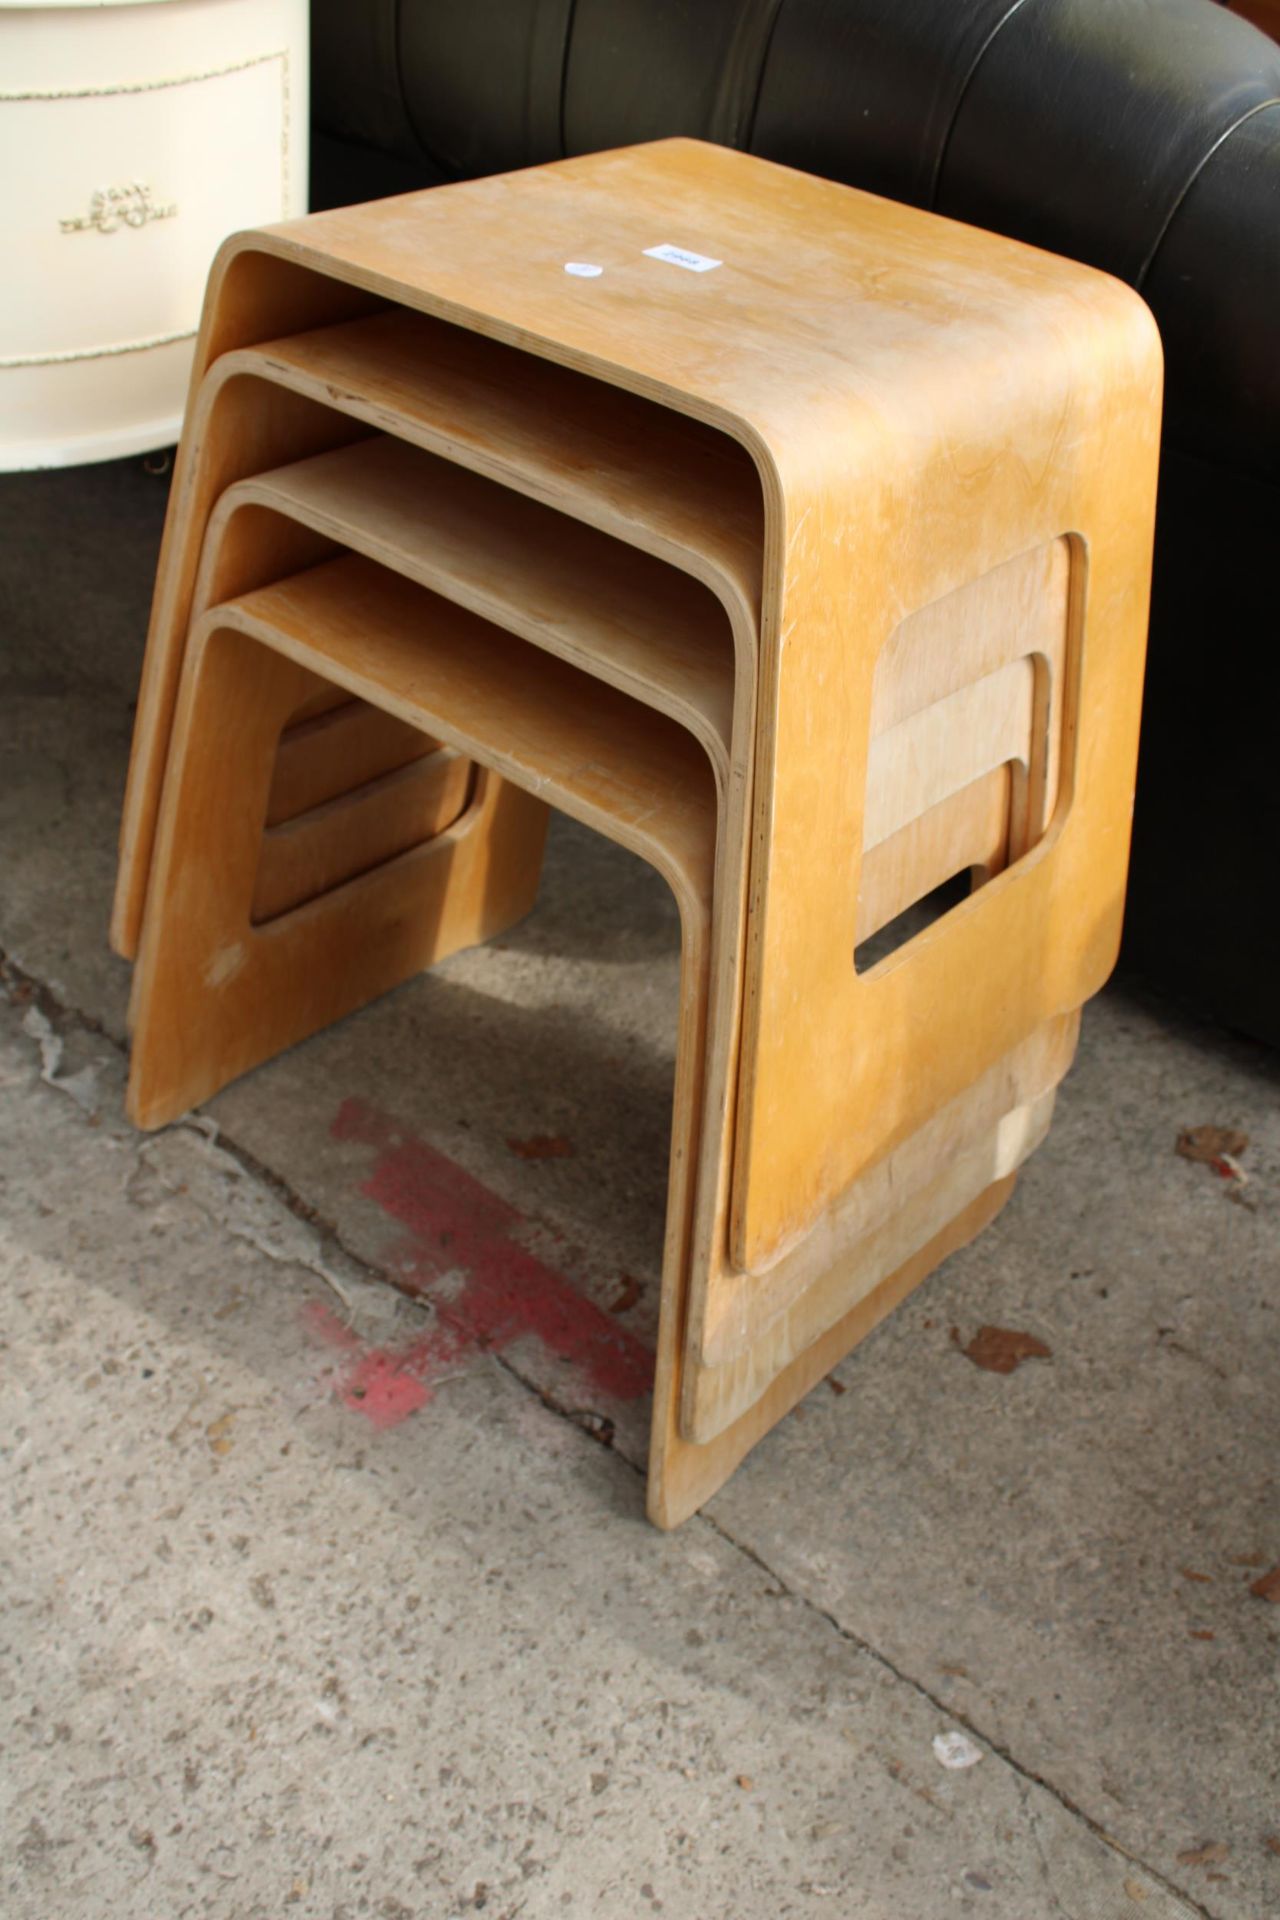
(744, 1309)
(569, 589)
(348, 835)
(648, 474)
(534, 719)
(718, 1395)
(684, 1475)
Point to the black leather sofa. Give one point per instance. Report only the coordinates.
(1142, 136)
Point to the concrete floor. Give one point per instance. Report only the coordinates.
(319, 1601)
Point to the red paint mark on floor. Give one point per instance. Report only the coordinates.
(496, 1291)
(383, 1385)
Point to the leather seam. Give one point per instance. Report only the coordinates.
(428, 152)
(397, 78)
(571, 20)
(749, 127)
(963, 95)
(1262, 106)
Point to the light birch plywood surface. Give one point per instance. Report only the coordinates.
(542, 725)
(922, 402)
(953, 440)
(381, 639)
(421, 539)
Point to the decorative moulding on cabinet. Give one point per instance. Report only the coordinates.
(111, 208)
(42, 6)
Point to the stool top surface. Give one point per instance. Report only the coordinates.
(756, 296)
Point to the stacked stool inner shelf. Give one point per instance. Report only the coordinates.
(805, 584)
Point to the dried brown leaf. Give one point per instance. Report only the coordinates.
(1210, 1143)
(1001, 1349)
(1268, 1587)
(628, 1294)
(1189, 1573)
(1206, 1856)
(543, 1146)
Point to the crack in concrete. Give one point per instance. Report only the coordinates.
(327, 1233)
(1024, 1772)
(210, 1179)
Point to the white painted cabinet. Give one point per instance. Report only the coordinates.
(134, 136)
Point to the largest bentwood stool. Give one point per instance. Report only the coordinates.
(796, 539)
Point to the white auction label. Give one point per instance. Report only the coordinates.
(582, 269)
(681, 257)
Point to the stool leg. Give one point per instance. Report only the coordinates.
(214, 995)
(684, 1474)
